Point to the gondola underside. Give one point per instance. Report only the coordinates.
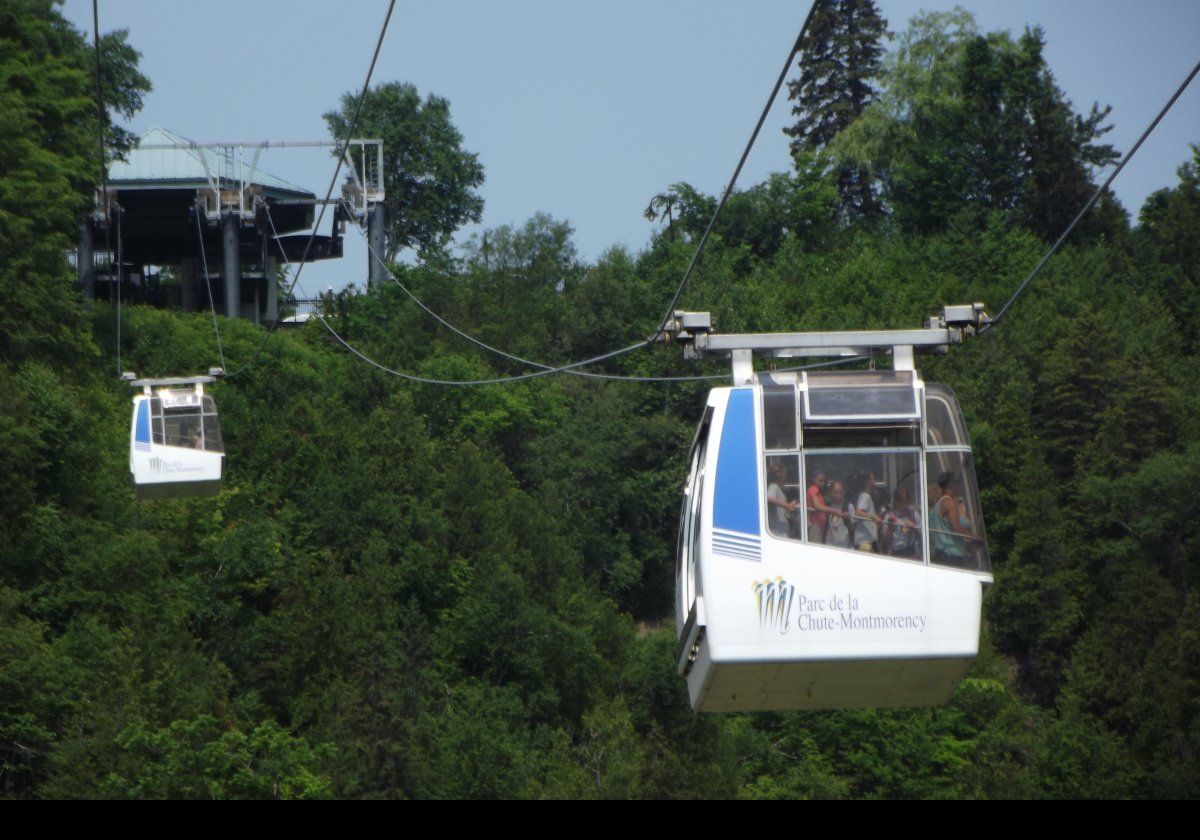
(841, 684)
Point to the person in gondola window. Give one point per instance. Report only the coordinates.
(818, 511)
(837, 533)
(900, 526)
(949, 524)
(866, 522)
(779, 508)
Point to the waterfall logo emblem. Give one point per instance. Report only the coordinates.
(773, 602)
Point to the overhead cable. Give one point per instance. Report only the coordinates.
(332, 181)
(431, 381)
(573, 372)
(545, 371)
(1095, 196)
(101, 119)
(373, 254)
(212, 307)
(651, 339)
(738, 169)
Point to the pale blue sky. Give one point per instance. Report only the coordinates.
(586, 110)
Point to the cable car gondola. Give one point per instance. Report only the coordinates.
(175, 446)
(788, 598)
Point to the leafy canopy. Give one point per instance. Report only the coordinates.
(429, 178)
(973, 122)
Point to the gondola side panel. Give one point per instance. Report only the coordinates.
(167, 472)
(793, 625)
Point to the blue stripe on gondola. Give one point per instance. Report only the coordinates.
(735, 502)
(142, 427)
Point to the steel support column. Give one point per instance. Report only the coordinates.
(272, 314)
(87, 261)
(230, 231)
(376, 240)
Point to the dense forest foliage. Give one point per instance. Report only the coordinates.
(408, 590)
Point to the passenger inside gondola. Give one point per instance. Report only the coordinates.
(949, 524)
(901, 527)
(818, 509)
(837, 530)
(780, 511)
(866, 523)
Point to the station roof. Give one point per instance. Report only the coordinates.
(149, 168)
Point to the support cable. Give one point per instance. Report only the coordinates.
(212, 307)
(535, 374)
(653, 338)
(497, 351)
(431, 381)
(120, 275)
(362, 96)
(545, 369)
(1091, 201)
(101, 119)
(738, 169)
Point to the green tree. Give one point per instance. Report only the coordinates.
(975, 123)
(429, 178)
(202, 759)
(1170, 249)
(1079, 383)
(518, 275)
(122, 87)
(763, 217)
(841, 55)
(49, 166)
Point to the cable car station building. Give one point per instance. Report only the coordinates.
(183, 207)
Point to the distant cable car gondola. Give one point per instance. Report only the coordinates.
(831, 543)
(175, 446)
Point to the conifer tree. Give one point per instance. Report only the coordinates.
(840, 56)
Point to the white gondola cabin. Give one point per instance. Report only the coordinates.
(831, 545)
(175, 445)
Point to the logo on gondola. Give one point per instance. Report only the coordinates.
(162, 466)
(773, 600)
